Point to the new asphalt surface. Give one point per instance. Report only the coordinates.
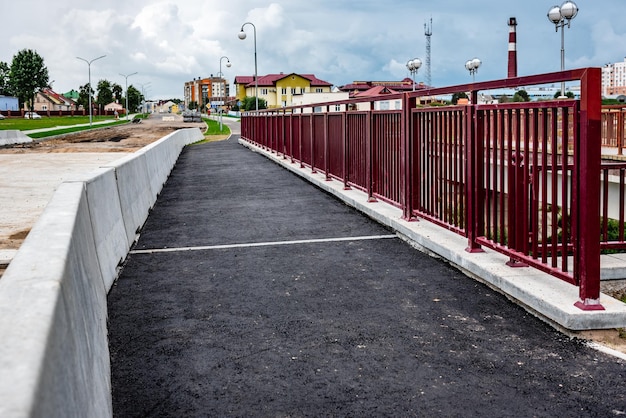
(252, 293)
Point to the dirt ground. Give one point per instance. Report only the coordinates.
(120, 138)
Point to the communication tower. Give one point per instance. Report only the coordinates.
(428, 31)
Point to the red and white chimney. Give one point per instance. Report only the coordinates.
(512, 67)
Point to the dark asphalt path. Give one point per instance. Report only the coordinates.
(360, 327)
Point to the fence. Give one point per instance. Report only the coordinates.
(613, 123)
(522, 178)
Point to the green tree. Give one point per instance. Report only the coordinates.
(521, 96)
(118, 92)
(28, 74)
(105, 93)
(457, 96)
(83, 96)
(249, 103)
(5, 88)
(134, 98)
(569, 94)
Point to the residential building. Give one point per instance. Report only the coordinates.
(278, 90)
(207, 92)
(9, 103)
(614, 79)
(401, 86)
(48, 100)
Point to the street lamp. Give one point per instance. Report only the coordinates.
(562, 16)
(242, 36)
(89, 86)
(414, 65)
(472, 66)
(222, 75)
(126, 77)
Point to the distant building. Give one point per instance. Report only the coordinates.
(9, 103)
(48, 100)
(401, 86)
(278, 90)
(207, 92)
(614, 79)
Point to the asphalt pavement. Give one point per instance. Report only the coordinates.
(252, 293)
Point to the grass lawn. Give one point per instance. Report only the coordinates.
(21, 124)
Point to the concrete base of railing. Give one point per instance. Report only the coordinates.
(54, 356)
(541, 294)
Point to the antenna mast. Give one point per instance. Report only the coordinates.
(428, 31)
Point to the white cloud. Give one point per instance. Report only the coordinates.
(169, 42)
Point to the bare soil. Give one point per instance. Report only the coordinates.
(119, 138)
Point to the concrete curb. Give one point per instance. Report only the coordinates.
(541, 294)
(54, 355)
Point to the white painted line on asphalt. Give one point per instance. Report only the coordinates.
(260, 244)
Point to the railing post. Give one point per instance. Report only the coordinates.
(473, 188)
(587, 247)
(369, 156)
(406, 150)
(346, 150)
(326, 147)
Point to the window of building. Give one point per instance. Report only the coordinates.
(302, 89)
(283, 90)
(319, 90)
(264, 92)
(293, 91)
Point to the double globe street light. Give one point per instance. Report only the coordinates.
(562, 16)
(472, 66)
(413, 66)
(89, 85)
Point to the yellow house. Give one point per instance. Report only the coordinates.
(278, 89)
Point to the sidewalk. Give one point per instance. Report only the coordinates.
(253, 293)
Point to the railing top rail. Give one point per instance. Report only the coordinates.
(532, 80)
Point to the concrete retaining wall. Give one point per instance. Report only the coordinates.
(54, 356)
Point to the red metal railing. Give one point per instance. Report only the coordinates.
(613, 124)
(521, 178)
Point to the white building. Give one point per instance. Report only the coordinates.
(614, 79)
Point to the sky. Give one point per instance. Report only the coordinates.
(169, 42)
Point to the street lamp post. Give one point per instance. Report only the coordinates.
(89, 86)
(126, 77)
(242, 36)
(472, 66)
(562, 16)
(413, 66)
(222, 75)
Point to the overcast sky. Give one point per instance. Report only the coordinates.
(168, 42)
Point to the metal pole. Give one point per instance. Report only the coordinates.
(563, 56)
(126, 76)
(89, 85)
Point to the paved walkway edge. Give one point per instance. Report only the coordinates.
(54, 353)
(541, 294)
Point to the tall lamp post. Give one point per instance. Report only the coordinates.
(472, 66)
(222, 75)
(89, 86)
(562, 16)
(242, 36)
(414, 65)
(126, 77)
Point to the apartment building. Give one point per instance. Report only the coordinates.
(278, 90)
(207, 92)
(614, 79)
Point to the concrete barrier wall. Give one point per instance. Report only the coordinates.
(54, 355)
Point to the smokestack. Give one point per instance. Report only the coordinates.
(512, 68)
